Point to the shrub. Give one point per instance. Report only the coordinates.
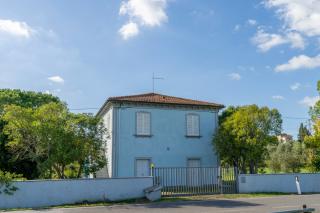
(6, 186)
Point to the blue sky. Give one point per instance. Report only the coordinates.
(231, 52)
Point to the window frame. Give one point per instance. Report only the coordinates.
(186, 125)
(142, 158)
(136, 125)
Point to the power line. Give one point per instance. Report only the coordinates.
(87, 108)
(296, 118)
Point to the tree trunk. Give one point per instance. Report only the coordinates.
(252, 167)
(62, 171)
(80, 170)
(58, 171)
(243, 168)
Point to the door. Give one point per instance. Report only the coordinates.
(193, 172)
(142, 167)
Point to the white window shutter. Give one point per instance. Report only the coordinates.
(147, 124)
(193, 125)
(139, 124)
(143, 123)
(189, 125)
(196, 125)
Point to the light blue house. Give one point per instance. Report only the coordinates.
(154, 129)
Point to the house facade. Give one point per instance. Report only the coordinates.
(157, 130)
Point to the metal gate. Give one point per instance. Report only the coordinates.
(178, 181)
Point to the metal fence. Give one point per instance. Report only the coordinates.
(177, 181)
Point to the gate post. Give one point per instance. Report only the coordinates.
(236, 176)
(152, 174)
(220, 179)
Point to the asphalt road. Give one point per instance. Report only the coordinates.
(267, 204)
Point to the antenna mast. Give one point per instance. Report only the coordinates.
(153, 79)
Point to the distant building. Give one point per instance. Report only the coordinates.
(284, 138)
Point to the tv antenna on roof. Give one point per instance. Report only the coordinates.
(153, 79)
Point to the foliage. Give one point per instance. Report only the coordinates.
(55, 139)
(313, 141)
(28, 99)
(315, 110)
(6, 186)
(287, 157)
(244, 134)
(303, 132)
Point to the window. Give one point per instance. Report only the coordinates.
(143, 124)
(193, 125)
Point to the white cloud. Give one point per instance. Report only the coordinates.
(298, 15)
(129, 30)
(56, 79)
(299, 62)
(150, 13)
(235, 76)
(146, 12)
(295, 86)
(278, 97)
(309, 101)
(15, 28)
(252, 22)
(237, 27)
(265, 41)
(296, 40)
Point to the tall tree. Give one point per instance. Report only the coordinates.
(55, 139)
(303, 132)
(313, 141)
(28, 99)
(287, 157)
(244, 134)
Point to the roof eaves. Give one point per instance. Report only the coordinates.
(215, 106)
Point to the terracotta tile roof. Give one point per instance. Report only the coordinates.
(162, 99)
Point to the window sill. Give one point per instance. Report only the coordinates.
(143, 136)
(193, 136)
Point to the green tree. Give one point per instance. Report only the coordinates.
(90, 134)
(28, 99)
(6, 186)
(55, 139)
(313, 141)
(244, 134)
(303, 132)
(287, 157)
(274, 159)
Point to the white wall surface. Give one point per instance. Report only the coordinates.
(57, 192)
(285, 183)
(106, 171)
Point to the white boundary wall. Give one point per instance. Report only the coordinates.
(41, 193)
(286, 183)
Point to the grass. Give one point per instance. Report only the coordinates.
(267, 170)
(145, 201)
